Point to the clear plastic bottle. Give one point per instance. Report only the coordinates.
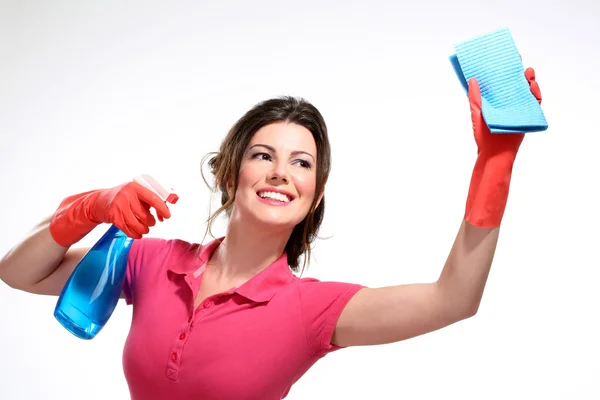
(92, 292)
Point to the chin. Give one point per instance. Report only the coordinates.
(270, 219)
(274, 221)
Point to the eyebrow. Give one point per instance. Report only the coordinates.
(272, 149)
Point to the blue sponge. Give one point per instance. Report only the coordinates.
(507, 104)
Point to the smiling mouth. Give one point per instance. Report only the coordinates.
(274, 196)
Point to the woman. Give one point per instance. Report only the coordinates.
(229, 319)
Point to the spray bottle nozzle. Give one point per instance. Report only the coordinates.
(149, 182)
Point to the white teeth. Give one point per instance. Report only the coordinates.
(275, 196)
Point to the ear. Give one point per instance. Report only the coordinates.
(319, 200)
(229, 186)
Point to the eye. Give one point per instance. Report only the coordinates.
(304, 164)
(262, 156)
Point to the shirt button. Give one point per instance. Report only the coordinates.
(182, 336)
(208, 304)
(174, 356)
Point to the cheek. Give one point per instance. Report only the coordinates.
(306, 184)
(245, 183)
(247, 176)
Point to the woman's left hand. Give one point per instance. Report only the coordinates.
(496, 153)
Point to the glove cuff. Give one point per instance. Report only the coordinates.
(71, 221)
(488, 194)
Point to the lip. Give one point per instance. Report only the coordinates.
(275, 190)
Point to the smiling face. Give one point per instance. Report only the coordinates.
(271, 170)
(277, 177)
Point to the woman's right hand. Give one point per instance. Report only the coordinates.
(127, 206)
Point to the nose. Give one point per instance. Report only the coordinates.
(279, 172)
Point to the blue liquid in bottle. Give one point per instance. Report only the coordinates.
(92, 292)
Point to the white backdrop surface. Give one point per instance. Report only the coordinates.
(92, 93)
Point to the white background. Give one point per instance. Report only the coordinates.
(93, 93)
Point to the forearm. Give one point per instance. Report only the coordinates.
(33, 259)
(467, 267)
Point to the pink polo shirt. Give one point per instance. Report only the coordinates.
(252, 342)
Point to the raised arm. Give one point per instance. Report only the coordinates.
(44, 260)
(390, 314)
(38, 264)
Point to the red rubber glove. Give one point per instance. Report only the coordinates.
(496, 154)
(126, 206)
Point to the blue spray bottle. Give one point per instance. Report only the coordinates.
(91, 293)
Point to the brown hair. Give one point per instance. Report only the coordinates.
(225, 165)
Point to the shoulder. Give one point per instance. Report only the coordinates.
(314, 286)
(149, 257)
(322, 303)
(318, 294)
(155, 250)
(155, 245)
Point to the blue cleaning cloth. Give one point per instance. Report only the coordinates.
(507, 104)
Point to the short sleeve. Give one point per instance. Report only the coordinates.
(322, 304)
(141, 249)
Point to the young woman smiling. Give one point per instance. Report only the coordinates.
(229, 319)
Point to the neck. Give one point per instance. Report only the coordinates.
(246, 250)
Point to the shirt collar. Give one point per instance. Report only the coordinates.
(263, 286)
(260, 288)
